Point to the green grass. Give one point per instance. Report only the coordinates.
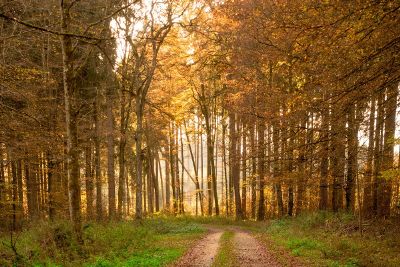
(150, 242)
(225, 255)
(316, 239)
(328, 239)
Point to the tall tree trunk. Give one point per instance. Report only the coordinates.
(150, 186)
(42, 185)
(338, 158)
(244, 170)
(367, 196)
(352, 144)
(377, 151)
(253, 171)
(99, 200)
(289, 143)
(276, 170)
(89, 181)
(161, 180)
(30, 182)
(227, 208)
(14, 194)
(71, 124)
(139, 157)
(385, 185)
(323, 190)
(110, 157)
(154, 168)
(210, 155)
(301, 163)
(261, 169)
(234, 164)
(177, 178)
(167, 182)
(172, 159)
(121, 162)
(195, 168)
(53, 185)
(2, 186)
(21, 189)
(177, 172)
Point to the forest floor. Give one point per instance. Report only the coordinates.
(315, 239)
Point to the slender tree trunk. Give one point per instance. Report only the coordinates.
(161, 180)
(42, 185)
(213, 176)
(253, 171)
(261, 169)
(234, 164)
(290, 143)
(210, 156)
(177, 178)
(352, 140)
(121, 156)
(89, 181)
(99, 200)
(276, 170)
(196, 172)
(31, 184)
(385, 185)
(154, 169)
(323, 191)
(167, 183)
(367, 196)
(14, 194)
(227, 209)
(139, 158)
(21, 189)
(110, 158)
(2, 186)
(244, 171)
(172, 159)
(71, 123)
(301, 163)
(377, 152)
(150, 186)
(202, 162)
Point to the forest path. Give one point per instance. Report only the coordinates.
(250, 252)
(204, 251)
(247, 250)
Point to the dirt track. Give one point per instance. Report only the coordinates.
(204, 251)
(248, 250)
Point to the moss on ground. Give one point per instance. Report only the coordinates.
(225, 256)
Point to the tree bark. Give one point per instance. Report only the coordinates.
(110, 158)
(89, 181)
(352, 140)
(71, 124)
(367, 196)
(377, 151)
(234, 164)
(323, 186)
(244, 170)
(385, 184)
(261, 169)
(139, 157)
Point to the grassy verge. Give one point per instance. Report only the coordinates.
(151, 242)
(225, 255)
(326, 239)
